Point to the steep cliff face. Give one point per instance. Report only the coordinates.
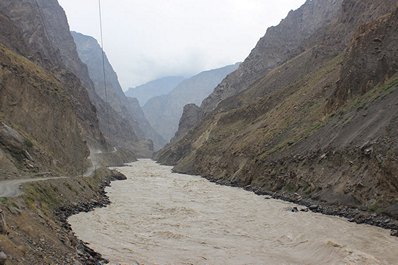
(279, 44)
(191, 116)
(36, 107)
(53, 21)
(114, 128)
(164, 112)
(155, 88)
(90, 53)
(282, 135)
(45, 32)
(372, 59)
(26, 33)
(48, 120)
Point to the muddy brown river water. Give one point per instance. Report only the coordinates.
(159, 217)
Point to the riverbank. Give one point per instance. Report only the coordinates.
(35, 224)
(355, 215)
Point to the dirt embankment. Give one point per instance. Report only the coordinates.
(33, 228)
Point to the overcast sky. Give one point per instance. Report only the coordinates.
(149, 39)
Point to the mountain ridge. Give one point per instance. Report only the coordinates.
(305, 127)
(90, 53)
(164, 112)
(154, 88)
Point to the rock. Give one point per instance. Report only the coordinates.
(11, 138)
(368, 151)
(297, 197)
(394, 233)
(392, 210)
(304, 210)
(118, 176)
(294, 210)
(3, 258)
(386, 221)
(313, 207)
(191, 116)
(3, 225)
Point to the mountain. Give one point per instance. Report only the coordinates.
(310, 115)
(279, 44)
(47, 122)
(90, 53)
(116, 131)
(154, 88)
(164, 112)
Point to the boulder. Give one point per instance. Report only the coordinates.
(3, 258)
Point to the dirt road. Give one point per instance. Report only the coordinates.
(11, 188)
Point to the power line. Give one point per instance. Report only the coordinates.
(103, 55)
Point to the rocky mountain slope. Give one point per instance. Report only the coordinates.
(164, 112)
(52, 119)
(312, 112)
(279, 44)
(130, 111)
(158, 87)
(41, 98)
(115, 129)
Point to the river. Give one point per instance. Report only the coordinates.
(159, 217)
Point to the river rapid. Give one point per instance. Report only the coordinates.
(159, 217)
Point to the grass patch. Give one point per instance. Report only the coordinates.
(3, 201)
(373, 94)
(28, 143)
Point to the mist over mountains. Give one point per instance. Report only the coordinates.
(164, 112)
(158, 87)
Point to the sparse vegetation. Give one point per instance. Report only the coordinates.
(28, 143)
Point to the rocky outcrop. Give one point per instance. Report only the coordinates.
(3, 258)
(129, 112)
(280, 136)
(155, 88)
(164, 112)
(372, 59)
(191, 116)
(3, 225)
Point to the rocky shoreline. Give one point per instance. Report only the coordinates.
(87, 255)
(354, 215)
(34, 226)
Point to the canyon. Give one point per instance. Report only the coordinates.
(306, 126)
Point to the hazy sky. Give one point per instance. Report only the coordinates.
(148, 39)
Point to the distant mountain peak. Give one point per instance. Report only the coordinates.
(154, 88)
